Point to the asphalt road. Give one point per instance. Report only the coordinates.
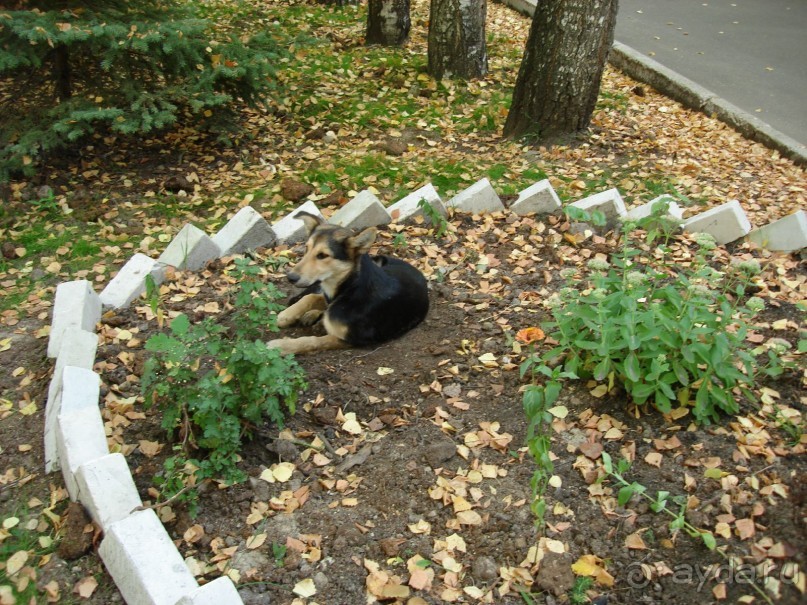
(753, 53)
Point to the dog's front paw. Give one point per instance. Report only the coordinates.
(309, 318)
(285, 318)
(280, 343)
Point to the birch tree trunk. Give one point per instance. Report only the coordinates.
(559, 78)
(457, 46)
(388, 22)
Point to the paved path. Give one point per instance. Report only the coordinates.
(752, 53)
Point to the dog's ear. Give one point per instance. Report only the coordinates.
(311, 220)
(361, 243)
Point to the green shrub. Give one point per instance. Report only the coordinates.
(663, 332)
(80, 68)
(212, 386)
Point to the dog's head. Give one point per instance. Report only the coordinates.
(331, 254)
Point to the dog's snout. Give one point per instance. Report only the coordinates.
(293, 277)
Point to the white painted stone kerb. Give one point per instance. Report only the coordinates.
(190, 249)
(608, 202)
(290, 230)
(364, 210)
(80, 435)
(130, 282)
(788, 234)
(144, 563)
(221, 590)
(106, 489)
(407, 208)
(639, 212)
(539, 198)
(76, 305)
(77, 350)
(479, 198)
(247, 230)
(726, 223)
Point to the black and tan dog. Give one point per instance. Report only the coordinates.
(362, 300)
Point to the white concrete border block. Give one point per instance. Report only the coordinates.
(539, 198)
(220, 591)
(76, 305)
(364, 210)
(144, 563)
(788, 234)
(608, 202)
(247, 230)
(639, 212)
(78, 350)
(80, 434)
(190, 249)
(407, 208)
(477, 199)
(130, 282)
(290, 230)
(106, 489)
(725, 223)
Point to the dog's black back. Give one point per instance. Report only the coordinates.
(385, 298)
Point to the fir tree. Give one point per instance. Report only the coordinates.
(71, 68)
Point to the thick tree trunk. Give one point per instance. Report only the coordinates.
(62, 76)
(560, 74)
(457, 39)
(388, 22)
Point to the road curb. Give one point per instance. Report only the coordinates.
(691, 94)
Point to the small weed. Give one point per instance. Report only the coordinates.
(399, 241)
(153, 298)
(537, 401)
(438, 221)
(658, 504)
(617, 101)
(577, 595)
(46, 205)
(279, 553)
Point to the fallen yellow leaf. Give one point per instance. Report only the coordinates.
(305, 588)
(85, 587)
(16, 562)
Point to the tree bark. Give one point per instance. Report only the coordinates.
(62, 75)
(388, 22)
(560, 74)
(457, 46)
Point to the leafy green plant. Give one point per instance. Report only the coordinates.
(437, 220)
(537, 400)
(662, 332)
(254, 300)
(211, 387)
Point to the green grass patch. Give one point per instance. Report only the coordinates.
(29, 539)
